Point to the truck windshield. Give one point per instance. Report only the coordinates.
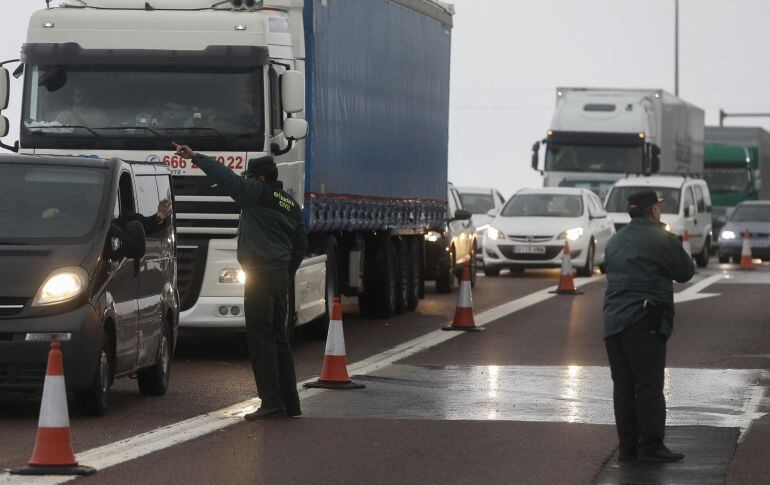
(726, 179)
(477, 203)
(593, 158)
(758, 213)
(129, 107)
(48, 204)
(543, 205)
(618, 199)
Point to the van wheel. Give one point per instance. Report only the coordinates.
(702, 258)
(153, 381)
(588, 268)
(95, 399)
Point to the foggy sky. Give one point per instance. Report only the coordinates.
(508, 56)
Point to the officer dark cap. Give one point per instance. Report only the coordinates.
(264, 166)
(642, 200)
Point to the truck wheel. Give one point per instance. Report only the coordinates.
(445, 277)
(95, 399)
(402, 276)
(588, 268)
(379, 297)
(153, 381)
(414, 272)
(702, 258)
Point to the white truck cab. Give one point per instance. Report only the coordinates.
(686, 208)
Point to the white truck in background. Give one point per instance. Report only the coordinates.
(599, 135)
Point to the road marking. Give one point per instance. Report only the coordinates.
(693, 292)
(161, 438)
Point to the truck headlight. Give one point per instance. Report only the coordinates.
(494, 233)
(64, 284)
(571, 234)
(432, 236)
(727, 235)
(232, 275)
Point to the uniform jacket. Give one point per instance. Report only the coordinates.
(271, 235)
(642, 259)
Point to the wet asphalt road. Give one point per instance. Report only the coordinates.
(524, 402)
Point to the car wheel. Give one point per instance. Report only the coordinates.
(702, 259)
(445, 277)
(491, 271)
(724, 259)
(95, 399)
(588, 268)
(153, 381)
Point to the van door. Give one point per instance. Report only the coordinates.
(150, 272)
(691, 219)
(122, 289)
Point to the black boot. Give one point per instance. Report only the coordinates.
(658, 454)
(265, 413)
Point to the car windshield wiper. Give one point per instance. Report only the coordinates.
(213, 130)
(146, 128)
(90, 130)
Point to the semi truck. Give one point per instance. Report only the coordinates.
(599, 135)
(351, 97)
(735, 159)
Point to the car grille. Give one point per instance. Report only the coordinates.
(11, 306)
(550, 253)
(518, 238)
(190, 267)
(22, 375)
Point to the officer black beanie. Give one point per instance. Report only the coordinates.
(264, 166)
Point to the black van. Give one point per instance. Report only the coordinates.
(79, 266)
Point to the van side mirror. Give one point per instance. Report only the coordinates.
(655, 159)
(535, 155)
(295, 128)
(293, 91)
(689, 211)
(462, 215)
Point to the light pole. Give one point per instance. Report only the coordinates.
(676, 48)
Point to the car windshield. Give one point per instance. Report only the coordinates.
(592, 158)
(726, 179)
(47, 204)
(618, 199)
(544, 205)
(746, 213)
(79, 107)
(477, 203)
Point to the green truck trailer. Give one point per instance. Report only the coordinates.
(735, 159)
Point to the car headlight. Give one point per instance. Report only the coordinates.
(232, 275)
(432, 236)
(728, 235)
(494, 233)
(571, 234)
(64, 284)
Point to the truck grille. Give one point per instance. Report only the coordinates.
(28, 376)
(190, 267)
(203, 208)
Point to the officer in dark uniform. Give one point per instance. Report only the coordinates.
(642, 260)
(271, 244)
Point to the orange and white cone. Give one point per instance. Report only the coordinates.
(566, 282)
(334, 374)
(746, 260)
(686, 243)
(463, 319)
(53, 454)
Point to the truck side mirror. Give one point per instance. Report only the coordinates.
(462, 215)
(655, 159)
(295, 128)
(535, 151)
(293, 91)
(5, 88)
(3, 126)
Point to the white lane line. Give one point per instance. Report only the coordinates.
(693, 292)
(161, 438)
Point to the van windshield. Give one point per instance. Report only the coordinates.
(618, 199)
(46, 204)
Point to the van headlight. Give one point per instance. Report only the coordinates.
(64, 284)
(571, 234)
(232, 275)
(494, 233)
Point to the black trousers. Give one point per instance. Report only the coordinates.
(638, 362)
(266, 301)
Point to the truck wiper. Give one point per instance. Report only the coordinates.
(213, 130)
(43, 129)
(146, 128)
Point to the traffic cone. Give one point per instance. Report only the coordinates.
(566, 282)
(463, 319)
(746, 260)
(53, 453)
(686, 244)
(334, 374)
